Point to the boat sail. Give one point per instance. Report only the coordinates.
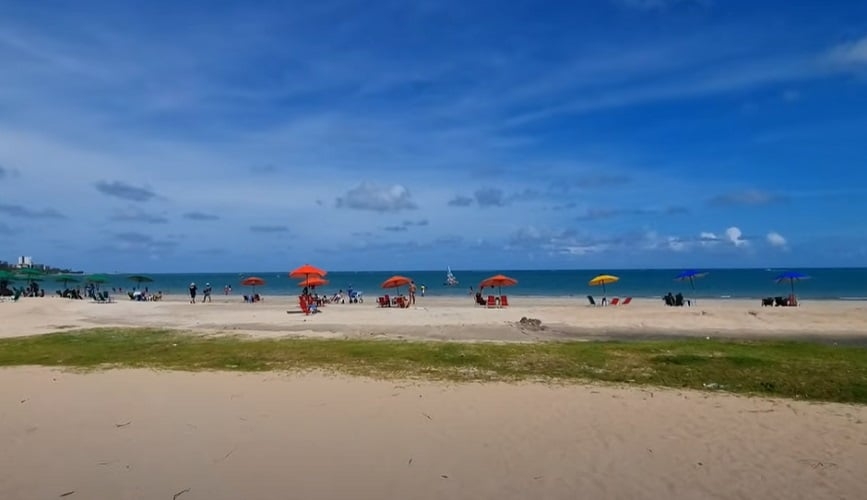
(450, 278)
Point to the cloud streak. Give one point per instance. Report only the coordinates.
(374, 198)
(125, 191)
(22, 212)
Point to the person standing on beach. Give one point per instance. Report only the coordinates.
(206, 296)
(412, 293)
(422, 289)
(193, 289)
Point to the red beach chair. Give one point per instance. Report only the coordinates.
(615, 301)
(504, 301)
(626, 301)
(492, 301)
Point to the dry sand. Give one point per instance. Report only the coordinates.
(450, 319)
(134, 434)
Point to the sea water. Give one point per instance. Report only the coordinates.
(824, 284)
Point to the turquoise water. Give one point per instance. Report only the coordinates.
(825, 284)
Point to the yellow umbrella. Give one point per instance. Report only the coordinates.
(603, 279)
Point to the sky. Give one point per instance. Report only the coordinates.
(230, 136)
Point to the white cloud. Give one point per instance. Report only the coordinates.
(736, 237)
(850, 53)
(369, 196)
(776, 239)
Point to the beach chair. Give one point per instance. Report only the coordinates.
(626, 301)
(504, 301)
(492, 301)
(381, 301)
(308, 307)
(793, 301)
(590, 299)
(614, 301)
(780, 302)
(387, 300)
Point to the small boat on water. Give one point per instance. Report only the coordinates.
(450, 279)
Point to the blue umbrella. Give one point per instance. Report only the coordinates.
(791, 277)
(690, 275)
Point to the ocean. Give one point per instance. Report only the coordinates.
(824, 284)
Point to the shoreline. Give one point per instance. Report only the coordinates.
(455, 319)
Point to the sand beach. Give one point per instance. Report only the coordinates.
(450, 319)
(219, 435)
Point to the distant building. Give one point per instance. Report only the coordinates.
(24, 261)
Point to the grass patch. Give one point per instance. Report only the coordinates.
(788, 369)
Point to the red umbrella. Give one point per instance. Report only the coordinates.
(396, 282)
(498, 281)
(313, 281)
(306, 271)
(253, 281)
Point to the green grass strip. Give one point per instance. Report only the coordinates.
(789, 369)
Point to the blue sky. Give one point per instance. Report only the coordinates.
(415, 135)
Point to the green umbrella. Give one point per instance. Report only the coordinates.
(97, 278)
(29, 272)
(66, 280)
(139, 278)
(6, 277)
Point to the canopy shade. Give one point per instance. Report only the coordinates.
(252, 281)
(306, 271)
(138, 278)
(313, 281)
(603, 279)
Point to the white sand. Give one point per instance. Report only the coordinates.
(449, 318)
(140, 434)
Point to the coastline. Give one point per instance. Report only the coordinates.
(446, 318)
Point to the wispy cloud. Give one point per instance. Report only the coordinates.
(608, 213)
(752, 197)
(134, 214)
(23, 212)
(269, 229)
(776, 239)
(125, 191)
(658, 5)
(201, 216)
(460, 201)
(369, 196)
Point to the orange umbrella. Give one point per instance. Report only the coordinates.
(313, 281)
(396, 282)
(498, 281)
(253, 281)
(306, 271)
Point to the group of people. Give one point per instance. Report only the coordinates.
(206, 292)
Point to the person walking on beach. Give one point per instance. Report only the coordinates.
(422, 289)
(206, 295)
(412, 293)
(193, 289)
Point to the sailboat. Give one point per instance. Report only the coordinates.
(450, 279)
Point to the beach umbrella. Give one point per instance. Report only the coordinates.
(498, 281)
(307, 271)
(139, 279)
(6, 277)
(66, 280)
(97, 279)
(603, 279)
(313, 282)
(253, 281)
(396, 282)
(690, 275)
(791, 277)
(29, 273)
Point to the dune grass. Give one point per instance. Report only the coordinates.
(789, 369)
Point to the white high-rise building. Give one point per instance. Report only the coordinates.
(25, 261)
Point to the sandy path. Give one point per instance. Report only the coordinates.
(455, 319)
(140, 434)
